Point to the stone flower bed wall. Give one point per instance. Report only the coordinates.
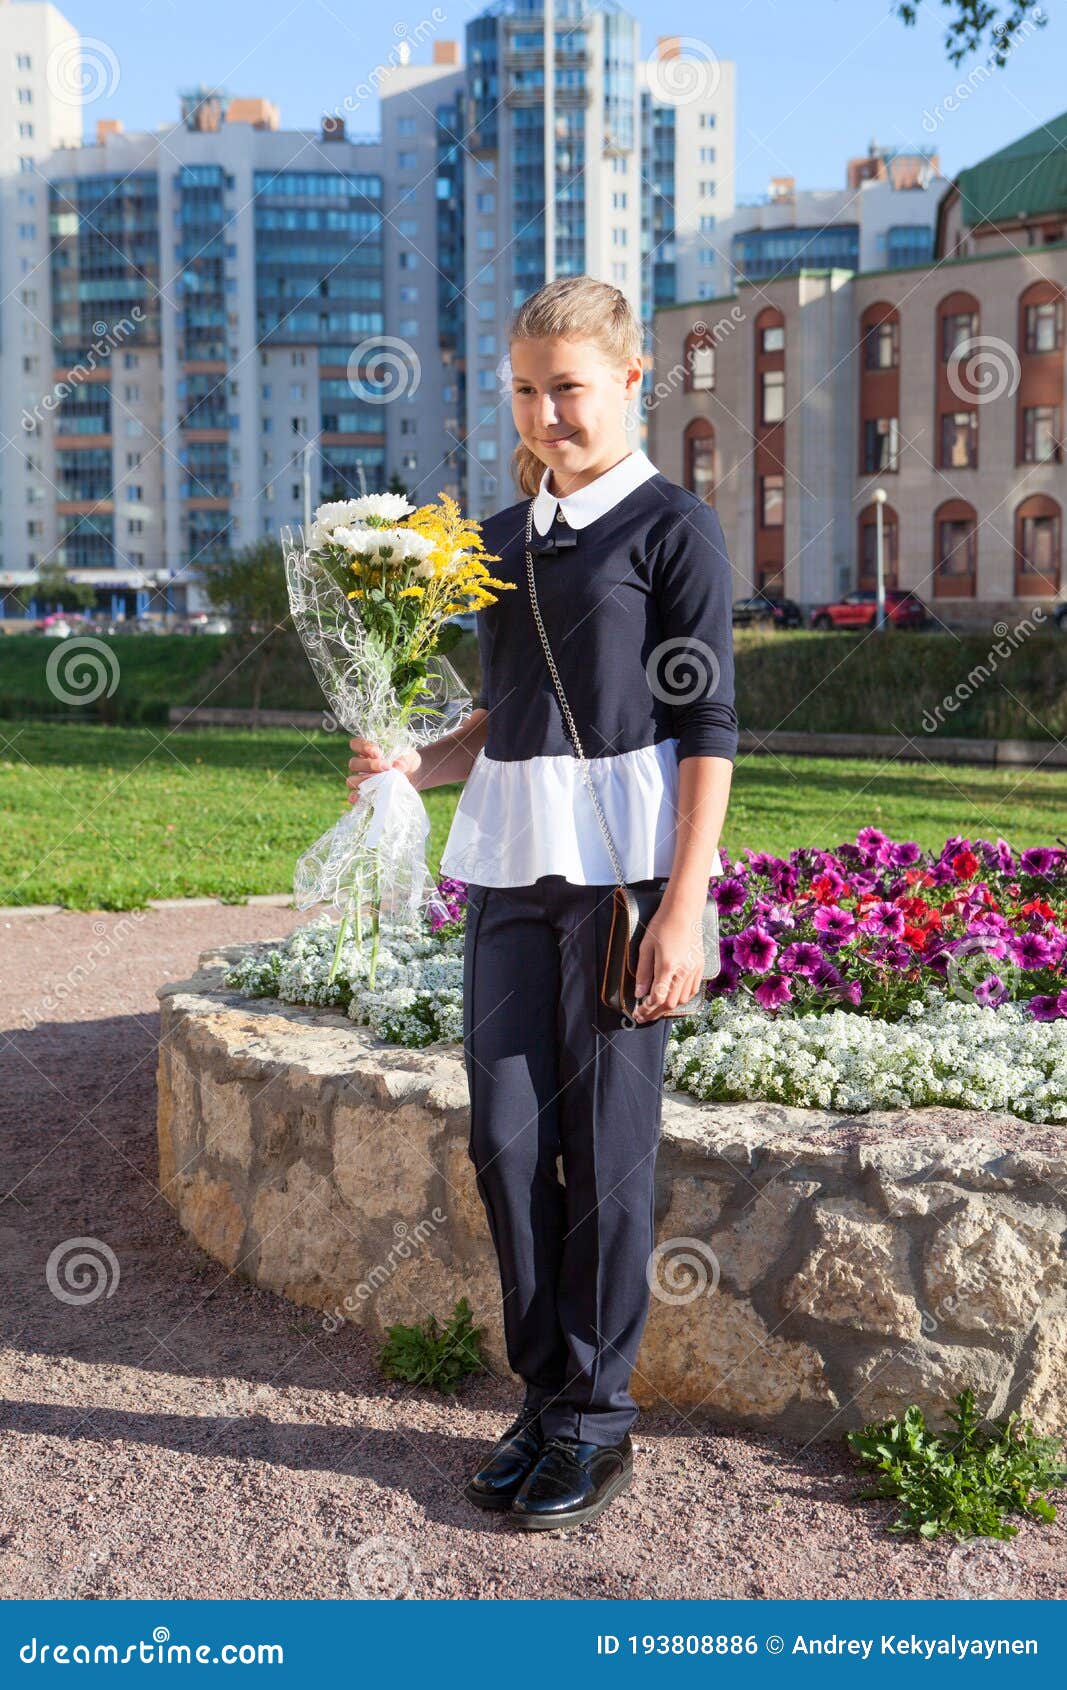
(814, 1270)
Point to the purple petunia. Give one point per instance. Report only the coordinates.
(1029, 950)
(801, 957)
(834, 924)
(773, 992)
(883, 918)
(755, 950)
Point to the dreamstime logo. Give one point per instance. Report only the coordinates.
(81, 70)
(407, 38)
(933, 719)
(985, 1569)
(89, 1265)
(81, 670)
(691, 73)
(707, 338)
(1005, 45)
(382, 1568)
(409, 1240)
(993, 986)
(689, 1269)
(983, 368)
(392, 369)
(72, 981)
(673, 661)
(107, 337)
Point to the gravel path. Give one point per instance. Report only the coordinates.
(188, 1435)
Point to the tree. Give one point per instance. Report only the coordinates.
(55, 587)
(249, 586)
(973, 21)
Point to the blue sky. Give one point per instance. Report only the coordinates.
(816, 79)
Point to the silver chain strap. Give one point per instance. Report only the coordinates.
(565, 707)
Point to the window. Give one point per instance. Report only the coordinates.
(957, 327)
(772, 396)
(1044, 326)
(25, 96)
(707, 155)
(23, 61)
(297, 360)
(702, 365)
(880, 445)
(956, 547)
(268, 425)
(959, 440)
(296, 390)
(485, 240)
(773, 339)
(131, 390)
(26, 131)
(1040, 553)
(407, 160)
(1042, 443)
(707, 190)
(772, 500)
(266, 390)
(405, 125)
(129, 360)
(881, 347)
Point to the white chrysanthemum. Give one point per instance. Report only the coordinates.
(389, 546)
(342, 513)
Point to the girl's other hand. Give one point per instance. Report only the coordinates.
(369, 761)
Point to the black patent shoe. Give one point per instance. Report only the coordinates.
(495, 1483)
(572, 1482)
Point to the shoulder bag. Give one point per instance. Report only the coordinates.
(632, 909)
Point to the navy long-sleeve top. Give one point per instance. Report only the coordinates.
(638, 617)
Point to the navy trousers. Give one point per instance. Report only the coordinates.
(554, 1073)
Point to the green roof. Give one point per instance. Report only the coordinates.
(1027, 179)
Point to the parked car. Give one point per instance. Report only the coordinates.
(766, 610)
(205, 622)
(858, 610)
(56, 626)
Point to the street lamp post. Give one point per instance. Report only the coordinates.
(880, 497)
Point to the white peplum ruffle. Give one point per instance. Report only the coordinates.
(516, 821)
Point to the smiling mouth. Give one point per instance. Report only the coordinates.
(557, 440)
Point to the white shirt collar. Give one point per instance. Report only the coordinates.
(597, 497)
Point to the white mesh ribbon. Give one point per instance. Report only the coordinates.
(375, 856)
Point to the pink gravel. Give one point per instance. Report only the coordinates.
(191, 1436)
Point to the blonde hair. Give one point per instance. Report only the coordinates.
(573, 308)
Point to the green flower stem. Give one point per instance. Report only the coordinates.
(375, 925)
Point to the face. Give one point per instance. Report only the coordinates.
(569, 407)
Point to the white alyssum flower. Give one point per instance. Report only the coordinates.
(951, 1053)
(941, 1052)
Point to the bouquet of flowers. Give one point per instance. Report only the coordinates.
(372, 588)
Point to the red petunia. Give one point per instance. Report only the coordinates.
(965, 865)
(1038, 905)
(915, 937)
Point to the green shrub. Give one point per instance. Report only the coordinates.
(427, 1355)
(966, 1483)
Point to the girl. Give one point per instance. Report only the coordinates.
(634, 589)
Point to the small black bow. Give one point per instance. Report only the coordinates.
(558, 539)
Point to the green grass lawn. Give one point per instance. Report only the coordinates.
(106, 817)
